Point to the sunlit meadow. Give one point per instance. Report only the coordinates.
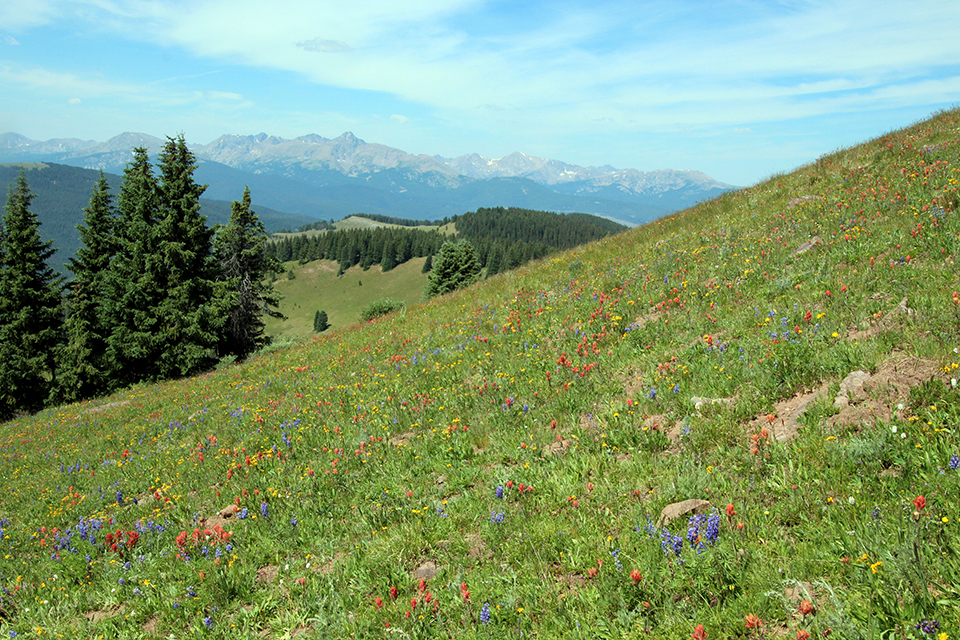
(495, 463)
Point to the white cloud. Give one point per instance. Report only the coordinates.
(15, 16)
(10, 40)
(536, 73)
(73, 101)
(321, 45)
(421, 52)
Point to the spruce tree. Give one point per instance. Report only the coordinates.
(320, 322)
(193, 308)
(427, 264)
(240, 249)
(84, 367)
(456, 267)
(133, 284)
(388, 258)
(30, 308)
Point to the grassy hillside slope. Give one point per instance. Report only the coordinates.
(316, 286)
(502, 462)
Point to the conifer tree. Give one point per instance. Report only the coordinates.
(320, 322)
(427, 264)
(388, 259)
(83, 363)
(194, 306)
(240, 249)
(133, 284)
(30, 308)
(456, 267)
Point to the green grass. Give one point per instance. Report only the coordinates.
(378, 450)
(316, 286)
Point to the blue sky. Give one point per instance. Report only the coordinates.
(739, 90)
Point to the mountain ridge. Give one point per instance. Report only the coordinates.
(342, 174)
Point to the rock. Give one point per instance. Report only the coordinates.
(229, 511)
(678, 509)
(851, 388)
(815, 241)
(556, 448)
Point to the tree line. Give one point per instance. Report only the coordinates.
(503, 239)
(156, 293)
(388, 247)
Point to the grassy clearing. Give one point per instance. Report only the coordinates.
(316, 286)
(496, 463)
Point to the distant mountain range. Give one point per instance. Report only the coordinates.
(326, 178)
(62, 191)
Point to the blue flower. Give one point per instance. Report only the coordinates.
(484, 614)
(616, 558)
(500, 492)
(954, 462)
(263, 510)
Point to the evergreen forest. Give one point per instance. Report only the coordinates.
(156, 293)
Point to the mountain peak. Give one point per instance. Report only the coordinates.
(348, 138)
(313, 138)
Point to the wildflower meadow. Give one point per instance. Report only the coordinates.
(739, 421)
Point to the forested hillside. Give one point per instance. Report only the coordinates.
(504, 238)
(62, 191)
(157, 294)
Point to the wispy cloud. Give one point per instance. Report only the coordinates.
(321, 45)
(536, 72)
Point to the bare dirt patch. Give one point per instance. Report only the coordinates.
(477, 548)
(787, 414)
(327, 567)
(107, 407)
(589, 422)
(632, 382)
(267, 573)
(402, 439)
(101, 615)
(864, 398)
(150, 626)
(885, 390)
(425, 571)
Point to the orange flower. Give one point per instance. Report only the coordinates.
(635, 576)
(699, 633)
(752, 622)
(806, 608)
(803, 634)
(730, 510)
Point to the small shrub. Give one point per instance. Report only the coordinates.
(379, 308)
